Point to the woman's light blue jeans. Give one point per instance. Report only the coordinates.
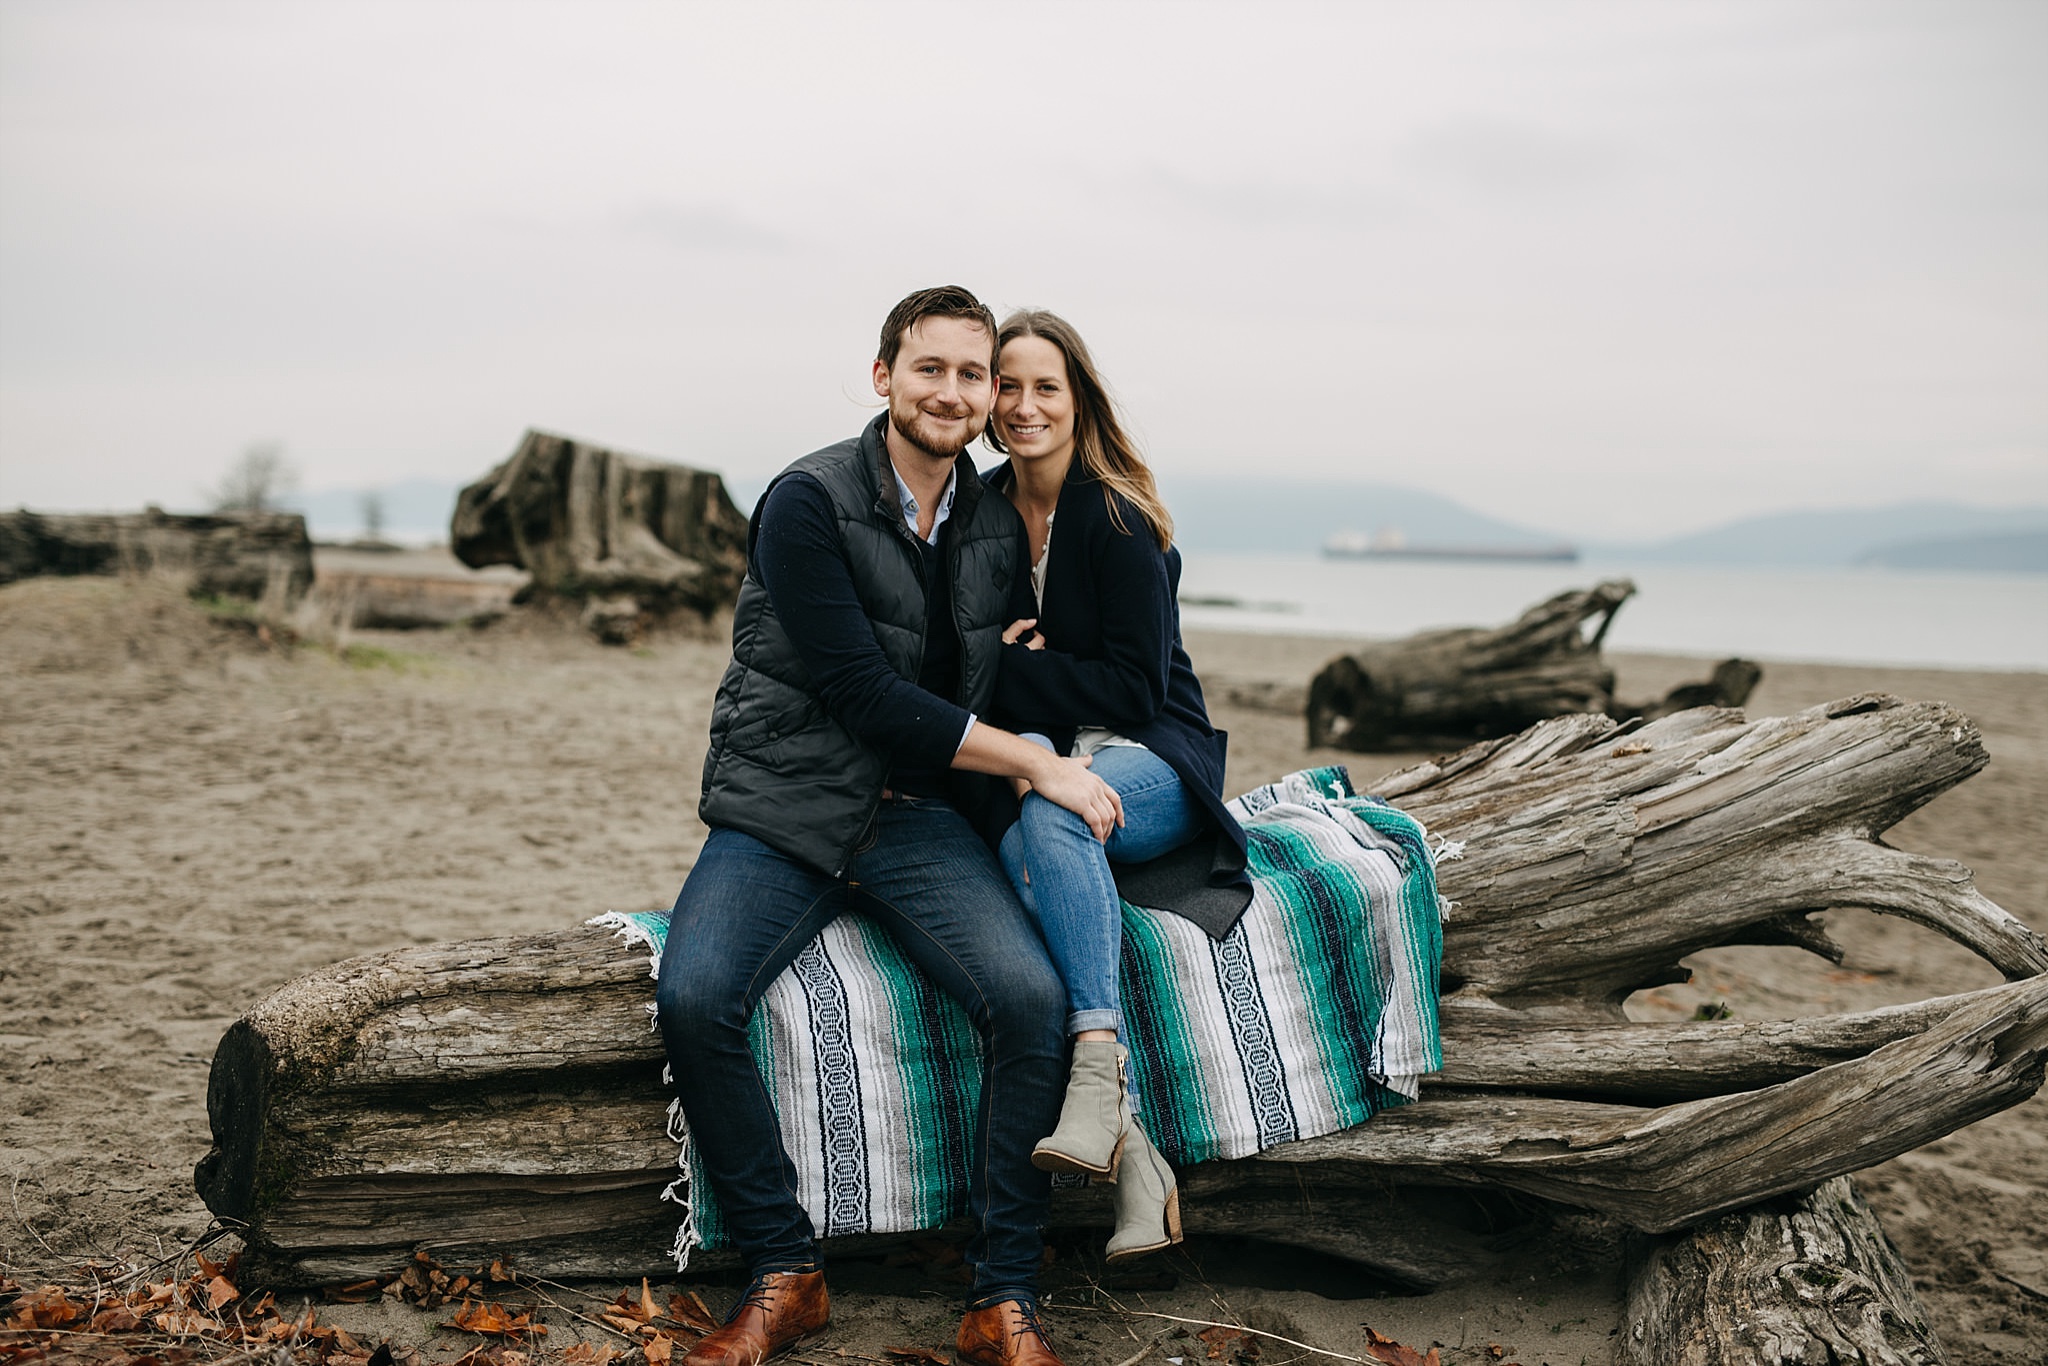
(1070, 892)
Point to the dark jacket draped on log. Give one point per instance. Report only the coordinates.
(1113, 658)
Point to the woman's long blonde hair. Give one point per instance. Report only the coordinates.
(1106, 453)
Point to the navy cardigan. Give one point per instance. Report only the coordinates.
(1113, 657)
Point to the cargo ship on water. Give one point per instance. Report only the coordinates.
(1389, 543)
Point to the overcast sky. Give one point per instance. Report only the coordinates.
(1613, 269)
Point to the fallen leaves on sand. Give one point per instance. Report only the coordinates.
(1230, 1344)
(1397, 1354)
(494, 1320)
(206, 1315)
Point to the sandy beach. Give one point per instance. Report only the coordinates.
(193, 815)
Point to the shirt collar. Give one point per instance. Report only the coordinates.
(910, 507)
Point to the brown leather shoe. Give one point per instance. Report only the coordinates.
(1006, 1334)
(778, 1313)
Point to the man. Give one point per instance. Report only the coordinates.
(865, 639)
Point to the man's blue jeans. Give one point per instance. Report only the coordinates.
(744, 914)
(1070, 891)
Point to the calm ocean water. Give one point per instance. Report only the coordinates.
(1861, 616)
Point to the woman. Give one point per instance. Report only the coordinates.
(1103, 674)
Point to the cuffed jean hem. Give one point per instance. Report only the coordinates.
(1095, 1019)
(982, 1299)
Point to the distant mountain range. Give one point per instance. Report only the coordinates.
(1288, 517)
(1906, 535)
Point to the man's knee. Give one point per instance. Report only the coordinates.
(690, 1002)
(1030, 997)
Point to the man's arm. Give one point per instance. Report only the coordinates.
(1061, 781)
(802, 565)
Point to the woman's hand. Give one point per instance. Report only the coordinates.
(1015, 632)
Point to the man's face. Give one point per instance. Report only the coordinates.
(941, 386)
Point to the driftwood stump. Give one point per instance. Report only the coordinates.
(230, 554)
(595, 526)
(1796, 1282)
(501, 1096)
(1449, 688)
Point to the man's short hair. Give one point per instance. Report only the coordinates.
(941, 301)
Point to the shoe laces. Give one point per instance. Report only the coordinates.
(1030, 1322)
(759, 1292)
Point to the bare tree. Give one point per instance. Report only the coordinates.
(257, 479)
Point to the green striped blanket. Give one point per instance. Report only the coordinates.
(1317, 1011)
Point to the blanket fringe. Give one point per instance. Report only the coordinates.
(677, 1191)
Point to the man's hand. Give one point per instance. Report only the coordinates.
(1071, 785)
(1015, 632)
(1064, 782)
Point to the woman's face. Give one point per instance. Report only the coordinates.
(1034, 401)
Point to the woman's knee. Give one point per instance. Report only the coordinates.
(1042, 820)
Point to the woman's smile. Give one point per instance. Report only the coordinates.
(1035, 401)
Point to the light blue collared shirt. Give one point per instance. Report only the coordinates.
(911, 509)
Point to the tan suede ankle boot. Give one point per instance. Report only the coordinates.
(1147, 1201)
(1093, 1117)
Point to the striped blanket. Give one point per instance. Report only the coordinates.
(1317, 1011)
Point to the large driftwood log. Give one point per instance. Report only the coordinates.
(1451, 687)
(406, 602)
(501, 1096)
(1455, 686)
(231, 554)
(591, 524)
(1807, 1282)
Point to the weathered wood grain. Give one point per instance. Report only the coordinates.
(503, 1095)
(1806, 1282)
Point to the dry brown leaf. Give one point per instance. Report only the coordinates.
(658, 1348)
(490, 1317)
(1230, 1344)
(647, 1309)
(49, 1307)
(1397, 1354)
(588, 1354)
(219, 1291)
(691, 1313)
(115, 1319)
(916, 1354)
(185, 1323)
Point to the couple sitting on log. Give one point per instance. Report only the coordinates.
(898, 610)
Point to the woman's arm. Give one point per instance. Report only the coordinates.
(1126, 686)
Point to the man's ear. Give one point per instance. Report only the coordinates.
(881, 379)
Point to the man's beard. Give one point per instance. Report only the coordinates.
(918, 434)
